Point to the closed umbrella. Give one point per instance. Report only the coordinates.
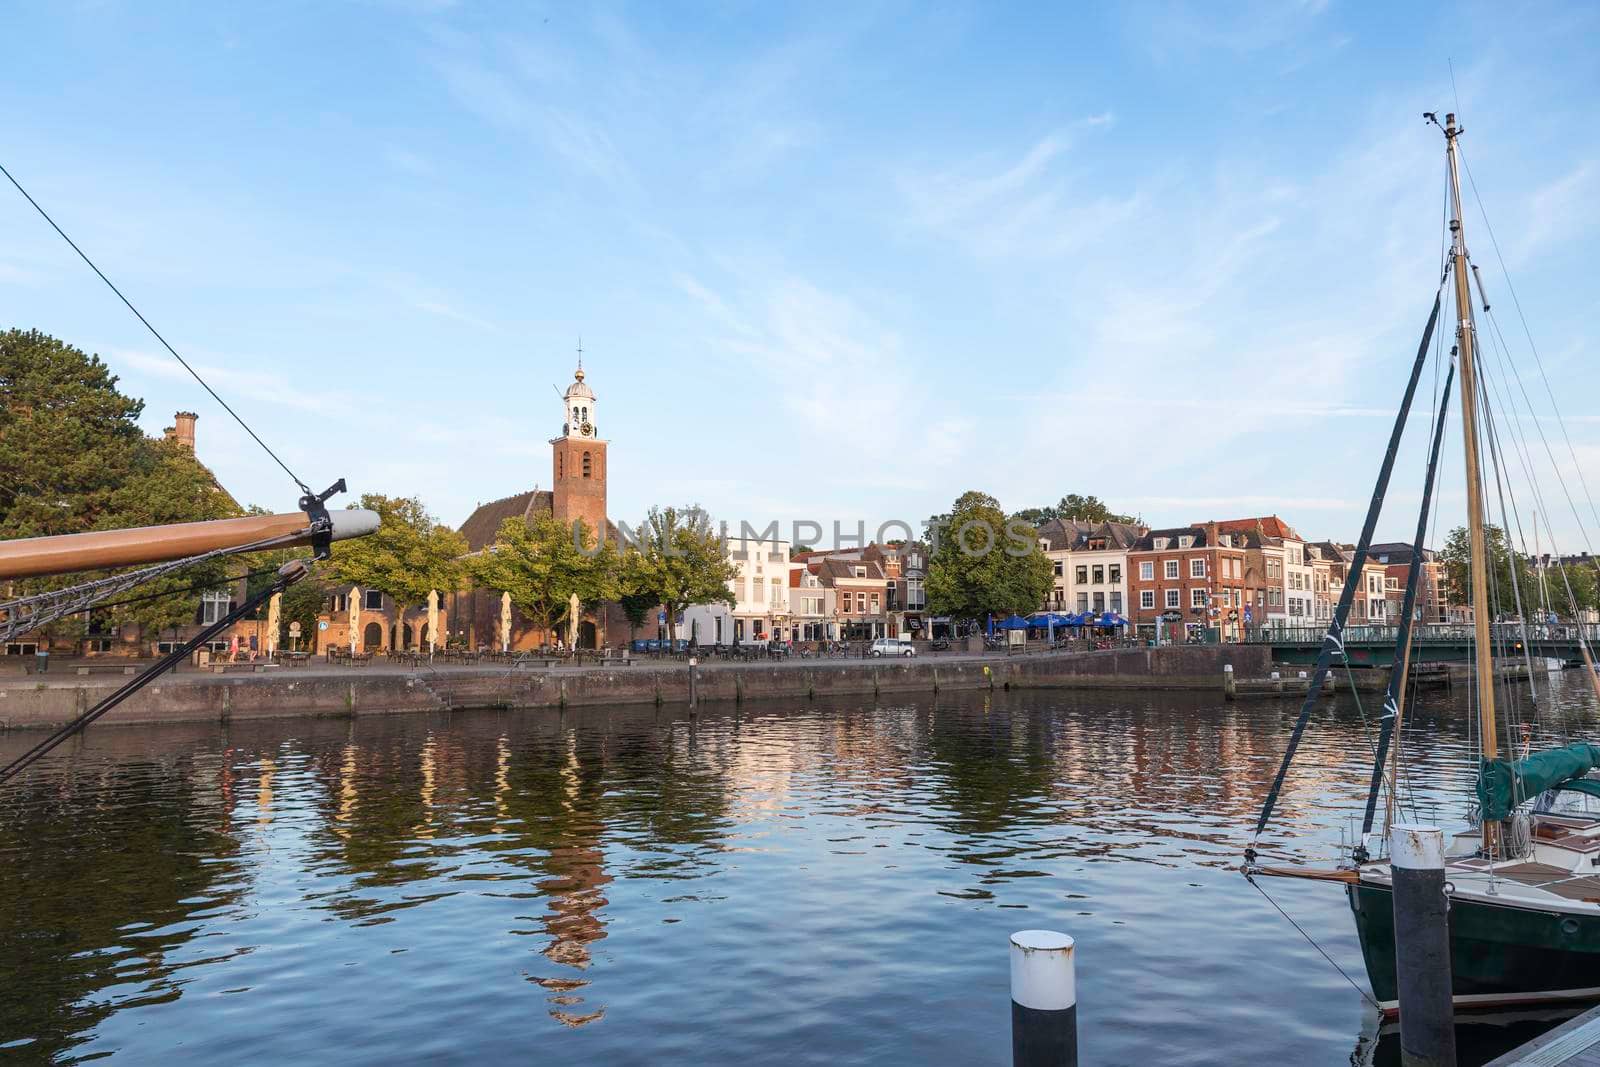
(505, 622)
(572, 621)
(355, 618)
(274, 608)
(433, 620)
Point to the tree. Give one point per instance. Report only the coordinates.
(68, 438)
(983, 563)
(1456, 557)
(680, 560)
(539, 562)
(1073, 506)
(162, 484)
(408, 556)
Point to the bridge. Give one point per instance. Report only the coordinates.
(1373, 646)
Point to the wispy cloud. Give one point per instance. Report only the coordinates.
(446, 311)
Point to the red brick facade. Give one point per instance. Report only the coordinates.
(1193, 572)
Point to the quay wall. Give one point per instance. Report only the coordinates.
(355, 691)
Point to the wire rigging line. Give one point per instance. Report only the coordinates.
(304, 488)
(1312, 942)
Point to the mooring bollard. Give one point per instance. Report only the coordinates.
(694, 678)
(1422, 946)
(1230, 688)
(1044, 1000)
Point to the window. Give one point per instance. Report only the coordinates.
(1171, 568)
(1185, 541)
(165, 647)
(587, 468)
(372, 600)
(1099, 603)
(874, 603)
(1274, 568)
(1059, 568)
(97, 644)
(1158, 543)
(1197, 598)
(1083, 575)
(1083, 603)
(1099, 576)
(1116, 602)
(1172, 598)
(1147, 570)
(759, 589)
(1115, 573)
(1147, 598)
(1197, 568)
(214, 605)
(861, 572)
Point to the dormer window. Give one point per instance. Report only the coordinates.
(1185, 541)
(1159, 543)
(861, 572)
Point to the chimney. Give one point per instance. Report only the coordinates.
(183, 429)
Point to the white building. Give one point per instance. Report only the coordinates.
(1090, 564)
(760, 590)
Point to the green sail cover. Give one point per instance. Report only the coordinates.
(1501, 783)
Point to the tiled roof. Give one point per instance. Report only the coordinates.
(1270, 525)
(1147, 542)
(482, 525)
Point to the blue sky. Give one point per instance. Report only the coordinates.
(828, 261)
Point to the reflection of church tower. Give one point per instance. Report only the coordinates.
(578, 459)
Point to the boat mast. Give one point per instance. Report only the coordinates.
(1483, 649)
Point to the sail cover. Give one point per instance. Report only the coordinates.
(1503, 784)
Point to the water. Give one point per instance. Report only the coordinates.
(791, 883)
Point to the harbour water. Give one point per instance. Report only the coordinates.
(765, 883)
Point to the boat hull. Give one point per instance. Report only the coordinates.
(1498, 953)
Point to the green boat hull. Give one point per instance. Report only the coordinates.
(1495, 950)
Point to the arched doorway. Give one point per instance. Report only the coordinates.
(407, 635)
(372, 637)
(586, 634)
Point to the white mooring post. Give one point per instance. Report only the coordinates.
(1044, 1000)
(1422, 946)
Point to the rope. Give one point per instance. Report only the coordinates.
(1313, 943)
(156, 334)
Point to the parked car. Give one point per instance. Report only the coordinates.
(892, 646)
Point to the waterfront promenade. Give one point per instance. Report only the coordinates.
(379, 688)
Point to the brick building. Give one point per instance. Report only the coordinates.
(1186, 580)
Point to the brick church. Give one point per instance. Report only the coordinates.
(578, 467)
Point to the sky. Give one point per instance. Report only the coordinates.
(834, 262)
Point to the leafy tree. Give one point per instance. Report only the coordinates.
(539, 562)
(68, 438)
(680, 560)
(983, 563)
(408, 556)
(1036, 516)
(636, 602)
(1456, 556)
(1075, 506)
(163, 484)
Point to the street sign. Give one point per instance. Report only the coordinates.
(323, 625)
(294, 629)
(661, 617)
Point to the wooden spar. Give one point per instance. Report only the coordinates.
(1481, 608)
(104, 549)
(1315, 874)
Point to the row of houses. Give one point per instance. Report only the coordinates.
(1231, 575)
(851, 594)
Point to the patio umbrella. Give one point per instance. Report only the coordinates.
(274, 608)
(1014, 622)
(505, 622)
(572, 621)
(433, 620)
(355, 618)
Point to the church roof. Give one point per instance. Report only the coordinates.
(482, 525)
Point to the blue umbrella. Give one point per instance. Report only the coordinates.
(1111, 618)
(1015, 622)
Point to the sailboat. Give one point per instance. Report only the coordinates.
(1523, 874)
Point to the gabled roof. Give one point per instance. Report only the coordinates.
(830, 570)
(1074, 534)
(1397, 552)
(1270, 525)
(482, 525)
(1147, 542)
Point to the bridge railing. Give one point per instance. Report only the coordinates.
(1424, 634)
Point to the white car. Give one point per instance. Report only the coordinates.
(892, 646)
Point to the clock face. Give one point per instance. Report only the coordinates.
(586, 429)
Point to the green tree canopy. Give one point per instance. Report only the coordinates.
(984, 563)
(680, 560)
(539, 562)
(1456, 556)
(1075, 506)
(410, 554)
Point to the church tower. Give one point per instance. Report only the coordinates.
(579, 459)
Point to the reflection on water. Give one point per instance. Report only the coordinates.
(779, 883)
